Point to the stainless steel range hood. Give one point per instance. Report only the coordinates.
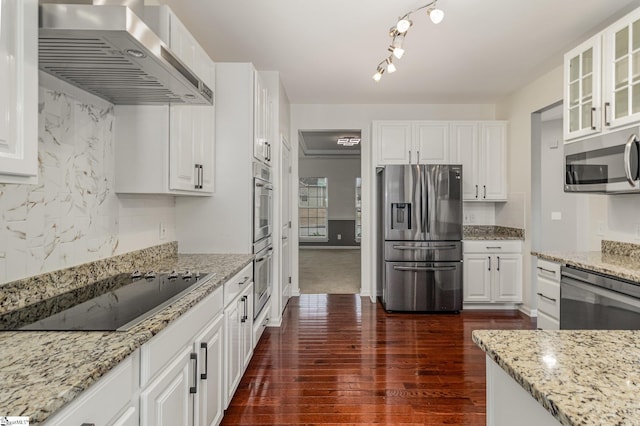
(106, 49)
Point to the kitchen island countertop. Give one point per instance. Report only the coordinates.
(581, 377)
(42, 371)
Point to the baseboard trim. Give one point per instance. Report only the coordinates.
(489, 307)
(528, 311)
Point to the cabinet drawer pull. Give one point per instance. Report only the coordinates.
(204, 346)
(494, 247)
(194, 388)
(546, 270)
(547, 297)
(243, 281)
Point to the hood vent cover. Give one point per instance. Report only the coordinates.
(110, 52)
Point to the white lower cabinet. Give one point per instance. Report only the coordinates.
(548, 294)
(169, 399)
(238, 319)
(492, 272)
(210, 343)
(111, 400)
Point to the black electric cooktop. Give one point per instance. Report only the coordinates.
(119, 303)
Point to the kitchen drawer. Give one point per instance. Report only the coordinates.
(104, 399)
(162, 348)
(492, 246)
(237, 284)
(548, 269)
(545, 322)
(549, 297)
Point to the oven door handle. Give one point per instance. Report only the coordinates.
(627, 159)
(424, 268)
(609, 294)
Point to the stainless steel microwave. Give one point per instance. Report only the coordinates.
(607, 163)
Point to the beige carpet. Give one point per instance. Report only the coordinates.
(329, 271)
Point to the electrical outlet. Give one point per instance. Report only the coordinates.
(472, 218)
(163, 231)
(637, 231)
(556, 215)
(600, 227)
(339, 237)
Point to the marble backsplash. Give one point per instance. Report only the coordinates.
(73, 216)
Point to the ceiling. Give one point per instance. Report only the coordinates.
(324, 143)
(327, 50)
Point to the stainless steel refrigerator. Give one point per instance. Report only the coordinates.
(420, 237)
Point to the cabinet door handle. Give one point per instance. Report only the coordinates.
(197, 185)
(201, 176)
(489, 262)
(409, 156)
(484, 187)
(417, 157)
(593, 118)
(476, 191)
(244, 302)
(546, 270)
(194, 388)
(203, 345)
(607, 105)
(547, 297)
(498, 268)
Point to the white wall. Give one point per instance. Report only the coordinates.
(359, 117)
(72, 215)
(341, 174)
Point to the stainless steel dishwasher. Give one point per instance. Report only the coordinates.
(594, 301)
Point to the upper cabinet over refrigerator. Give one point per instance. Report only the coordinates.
(602, 80)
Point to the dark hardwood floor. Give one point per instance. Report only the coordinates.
(342, 359)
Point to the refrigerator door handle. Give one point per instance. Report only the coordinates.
(449, 247)
(424, 268)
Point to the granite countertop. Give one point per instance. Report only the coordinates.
(621, 260)
(42, 371)
(582, 377)
(491, 232)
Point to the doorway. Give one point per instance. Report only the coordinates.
(329, 212)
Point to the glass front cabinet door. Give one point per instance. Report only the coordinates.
(582, 90)
(621, 66)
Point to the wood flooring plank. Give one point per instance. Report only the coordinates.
(340, 359)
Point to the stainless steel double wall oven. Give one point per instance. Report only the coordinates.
(262, 241)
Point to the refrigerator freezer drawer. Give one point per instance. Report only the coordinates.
(422, 251)
(422, 287)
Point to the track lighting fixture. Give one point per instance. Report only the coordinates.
(398, 34)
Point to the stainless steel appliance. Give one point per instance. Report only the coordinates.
(262, 202)
(606, 163)
(420, 233)
(590, 300)
(262, 242)
(105, 48)
(114, 304)
(262, 274)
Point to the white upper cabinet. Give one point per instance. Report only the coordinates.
(621, 65)
(262, 145)
(602, 80)
(19, 88)
(394, 140)
(481, 148)
(168, 149)
(412, 142)
(583, 107)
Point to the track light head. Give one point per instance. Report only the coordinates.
(378, 75)
(403, 24)
(390, 66)
(436, 15)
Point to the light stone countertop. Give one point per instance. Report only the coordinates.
(491, 232)
(617, 265)
(582, 377)
(42, 371)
